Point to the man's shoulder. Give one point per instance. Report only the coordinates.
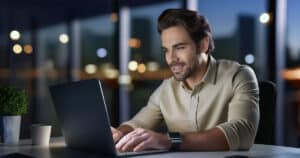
(230, 65)
(228, 69)
(225, 63)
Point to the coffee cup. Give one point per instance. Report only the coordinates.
(40, 134)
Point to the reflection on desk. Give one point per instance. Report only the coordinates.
(58, 149)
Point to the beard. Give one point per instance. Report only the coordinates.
(187, 70)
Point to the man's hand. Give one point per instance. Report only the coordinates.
(143, 139)
(117, 134)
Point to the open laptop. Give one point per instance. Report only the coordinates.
(82, 113)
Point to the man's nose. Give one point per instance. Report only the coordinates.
(173, 56)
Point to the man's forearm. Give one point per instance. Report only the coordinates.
(210, 140)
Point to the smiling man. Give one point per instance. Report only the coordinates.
(207, 104)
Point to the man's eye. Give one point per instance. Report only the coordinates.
(180, 48)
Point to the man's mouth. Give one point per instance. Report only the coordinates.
(177, 68)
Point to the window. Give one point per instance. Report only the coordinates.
(237, 31)
(146, 51)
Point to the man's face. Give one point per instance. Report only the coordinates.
(180, 52)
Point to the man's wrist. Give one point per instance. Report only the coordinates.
(167, 142)
(124, 129)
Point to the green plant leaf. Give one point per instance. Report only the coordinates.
(13, 101)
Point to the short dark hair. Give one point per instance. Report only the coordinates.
(196, 25)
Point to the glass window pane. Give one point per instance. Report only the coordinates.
(98, 52)
(291, 73)
(145, 47)
(293, 33)
(52, 69)
(97, 41)
(238, 33)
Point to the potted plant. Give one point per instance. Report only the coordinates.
(13, 103)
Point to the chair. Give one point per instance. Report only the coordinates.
(267, 105)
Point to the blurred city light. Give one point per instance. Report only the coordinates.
(135, 43)
(141, 68)
(90, 68)
(111, 73)
(152, 66)
(15, 35)
(17, 49)
(264, 18)
(109, 70)
(291, 74)
(101, 52)
(28, 49)
(132, 65)
(124, 79)
(249, 58)
(114, 17)
(63, 38)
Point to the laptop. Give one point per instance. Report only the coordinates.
(82, 113)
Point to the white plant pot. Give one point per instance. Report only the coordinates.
(11, 129)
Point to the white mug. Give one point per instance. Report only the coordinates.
(40, 134)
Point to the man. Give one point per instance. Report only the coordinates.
(210, 105)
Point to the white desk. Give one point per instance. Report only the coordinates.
(58, 149)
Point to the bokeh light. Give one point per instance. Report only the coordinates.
(135, 43)
(90, 68)
(152, 66)
(28, 49)
(132, 65)
(114, 17)
(101, 52)
(63, 38)
(15, 35)
(17, 49)
(141, 68)
(249, 58)
(264, 18)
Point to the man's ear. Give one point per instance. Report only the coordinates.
(204, 44)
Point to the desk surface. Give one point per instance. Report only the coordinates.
(58, 149)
